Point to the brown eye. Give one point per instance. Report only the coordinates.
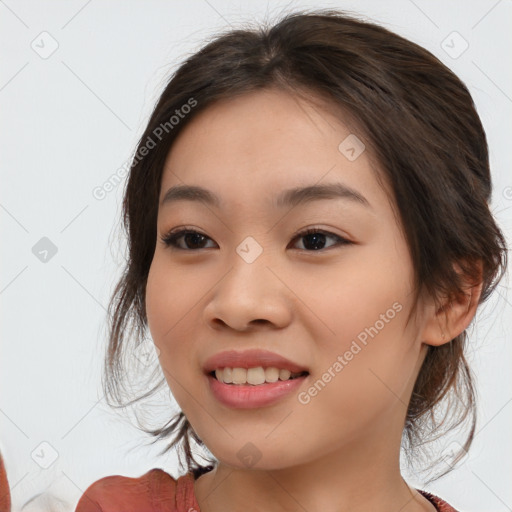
(192, 239)
(315, 239)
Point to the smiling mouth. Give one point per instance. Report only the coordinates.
(254, 376)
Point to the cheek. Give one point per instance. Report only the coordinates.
(170, 295)
(170, 300)
(357, 295)
(156, 303)
(165, 305)
(365, 310)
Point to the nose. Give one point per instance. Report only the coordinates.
(250, 295)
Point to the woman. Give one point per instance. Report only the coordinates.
(310, 238)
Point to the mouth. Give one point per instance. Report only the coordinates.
(255, 376)
(253, 361)
(251, 390)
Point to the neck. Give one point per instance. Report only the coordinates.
(356, 477)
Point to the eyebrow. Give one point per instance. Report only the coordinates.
(287, 198)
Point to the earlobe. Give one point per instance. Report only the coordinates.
(444, 323)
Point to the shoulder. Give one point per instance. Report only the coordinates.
(154, 490)
(441, 505)
(5, 495)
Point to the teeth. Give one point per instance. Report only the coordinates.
(253, 376)
(227, 375)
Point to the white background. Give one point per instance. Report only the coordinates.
(71, 120)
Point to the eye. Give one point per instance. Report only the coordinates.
(314, 239)
(190, 236)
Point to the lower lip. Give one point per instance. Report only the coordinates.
(246, 396)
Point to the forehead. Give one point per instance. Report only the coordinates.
(261, 143)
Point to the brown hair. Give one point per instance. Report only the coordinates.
(421, 124)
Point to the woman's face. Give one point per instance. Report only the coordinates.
(337, 309)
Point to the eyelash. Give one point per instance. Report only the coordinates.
(172, 236)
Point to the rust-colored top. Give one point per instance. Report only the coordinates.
(5, 495)
(157, 491)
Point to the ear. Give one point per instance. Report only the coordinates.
(444, 322)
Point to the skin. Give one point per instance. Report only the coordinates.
(340, 451)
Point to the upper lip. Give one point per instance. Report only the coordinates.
(250, 359)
